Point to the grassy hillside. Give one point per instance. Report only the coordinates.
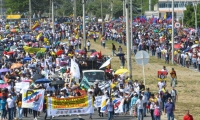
(188, 80)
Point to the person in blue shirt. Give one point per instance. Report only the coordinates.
(3, 108)
(133, 101)
(110, 108)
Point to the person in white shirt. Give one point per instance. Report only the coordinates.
(50, 88)
(10, 104)
(145, 99)
(88, 45)
(140, 107)
(110, 108)
(161, 84)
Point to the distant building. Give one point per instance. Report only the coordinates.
(164, 8)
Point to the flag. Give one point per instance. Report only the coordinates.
(75, 69)
(165, 15)
(84, 83)
(36, 25)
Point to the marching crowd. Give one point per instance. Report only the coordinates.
(138, 100)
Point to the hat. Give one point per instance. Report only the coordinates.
(9, 94)
(127, 92)
(169, 98)
(115, 94)
(48, 95)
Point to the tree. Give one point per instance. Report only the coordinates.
(189, 16)
(22, 6)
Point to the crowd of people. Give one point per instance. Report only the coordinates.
(22, 59)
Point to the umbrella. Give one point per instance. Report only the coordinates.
(37, 76)
(105, 63)
(4, 70)
(3, 85)
(92, 50)
(12, 77)
(10, 53)
(94, 54)
(108, 70)
(74, 87)
(13, 47)
(77, 51)
(54, 76)
(59, 82)
(82, 52)
(177, 46)
(42, 80)
(63, 70)
(63, 63)
(13, 30)
(26, 80)
(121, 71)
(27, 58)
(194, 46)
(120, 54)
(16, 65)
(2, 82)
(59, 52)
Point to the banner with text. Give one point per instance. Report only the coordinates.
(73, 105)
(118, 104)
(97, 102)
(33, 99)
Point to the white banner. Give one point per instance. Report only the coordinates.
(21, 85)
(33, 99)
(73, 106)
(118, 104)
(97, 102)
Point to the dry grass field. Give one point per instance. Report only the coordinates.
(188, 80)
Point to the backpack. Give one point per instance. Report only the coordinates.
(156, 112)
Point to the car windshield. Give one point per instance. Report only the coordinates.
(92, 76)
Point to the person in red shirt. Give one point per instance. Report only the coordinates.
(187, 116)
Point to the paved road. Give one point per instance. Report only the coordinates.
(86, 117)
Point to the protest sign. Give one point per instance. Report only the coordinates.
(33, 99)
(66, 106)
(97, 102)
(118, 104)
(162, 75)
(21, 85)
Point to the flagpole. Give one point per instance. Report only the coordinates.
(30, 14)
(172, 32)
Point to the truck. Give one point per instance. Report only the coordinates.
(94, 75)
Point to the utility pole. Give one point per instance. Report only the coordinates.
(131, 23)
(123, 9)
(172, 32)
(84, 33)
(141, 6)
(111, 16)
(50, 10)
(30, 11)
(102, 17)
(195, 13)
(74, 21)
(149, 5)
(128, 40)
(53, 27)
